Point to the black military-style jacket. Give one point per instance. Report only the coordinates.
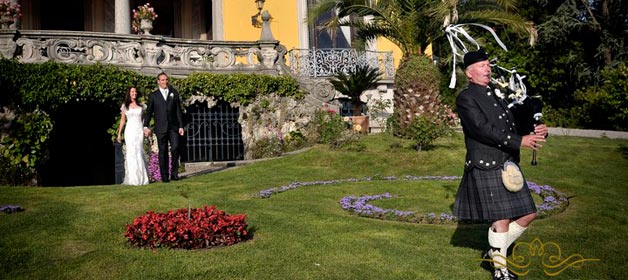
(489, 128)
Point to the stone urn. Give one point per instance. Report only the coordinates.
(146, 25)
(5, 22)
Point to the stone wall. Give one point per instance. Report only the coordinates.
(273, 116)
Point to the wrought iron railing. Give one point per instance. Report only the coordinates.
(329, 62)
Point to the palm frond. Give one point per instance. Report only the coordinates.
(510, 21)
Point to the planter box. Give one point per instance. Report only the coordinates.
(360, 124)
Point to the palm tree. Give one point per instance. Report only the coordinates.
(354, 84)
(412, 25)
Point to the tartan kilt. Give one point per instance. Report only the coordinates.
(482, 197)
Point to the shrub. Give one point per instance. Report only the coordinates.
(329, 126)
(294, 141)
(605, 106)
(266, 147)
(187, 229)
(424, 130)
(25, 147)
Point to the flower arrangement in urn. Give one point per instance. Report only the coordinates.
(143, 12)
(9, 12)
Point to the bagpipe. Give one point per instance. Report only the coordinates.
(506, 83)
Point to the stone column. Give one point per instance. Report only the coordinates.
(122, 17)
(303, 27)
(217, 21)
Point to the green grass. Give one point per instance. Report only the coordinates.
(77, 232)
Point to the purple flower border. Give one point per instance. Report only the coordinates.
(294, 185)
(554, 202)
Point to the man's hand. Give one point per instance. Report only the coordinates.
(532, 141)
(147, 132)
(540, 129)
(181, 131)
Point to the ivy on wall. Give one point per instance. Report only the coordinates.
(26, 88)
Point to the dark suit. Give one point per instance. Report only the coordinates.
(168, 120)
(491, 139)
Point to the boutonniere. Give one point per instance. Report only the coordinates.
(171, 95)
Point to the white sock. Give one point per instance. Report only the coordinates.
(514, 232)
(498, 240)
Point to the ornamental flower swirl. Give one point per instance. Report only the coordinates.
(554, 201)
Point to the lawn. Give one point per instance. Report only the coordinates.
(77, 232)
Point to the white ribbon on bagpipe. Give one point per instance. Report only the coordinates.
(459, 49)
(515, 88)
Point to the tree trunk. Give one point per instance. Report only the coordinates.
(416, 91)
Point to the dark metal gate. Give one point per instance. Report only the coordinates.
(212, 134)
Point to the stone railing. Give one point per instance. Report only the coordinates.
(329, 62)
(147, 54)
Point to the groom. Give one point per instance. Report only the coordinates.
(165, 104)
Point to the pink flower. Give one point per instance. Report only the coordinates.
(12, 10)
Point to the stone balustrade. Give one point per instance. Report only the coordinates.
(147, 54)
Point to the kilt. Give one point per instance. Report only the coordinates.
(482, 197)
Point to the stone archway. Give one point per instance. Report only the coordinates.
(81, 150)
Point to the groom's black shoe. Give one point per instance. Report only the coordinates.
(174, 177)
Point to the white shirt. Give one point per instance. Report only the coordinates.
(164, 93)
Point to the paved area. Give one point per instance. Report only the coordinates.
(198, 168)
(588, 133)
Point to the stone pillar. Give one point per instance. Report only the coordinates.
(304, 29)
(217, 21)
(268, 53)
(122, 17)
(7, 44)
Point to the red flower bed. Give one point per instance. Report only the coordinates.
(206, 227)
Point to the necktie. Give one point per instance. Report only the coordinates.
(164, 93)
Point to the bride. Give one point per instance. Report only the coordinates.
(135, 162)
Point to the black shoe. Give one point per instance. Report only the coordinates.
(174, 177)
(504, 274)
(165, 181)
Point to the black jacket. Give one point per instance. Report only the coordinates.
(489, 128)
(167, 113)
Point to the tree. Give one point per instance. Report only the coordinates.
(578, 42)
(354, 84)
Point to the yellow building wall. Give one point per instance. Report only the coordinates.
(284, 24)
(384, 44)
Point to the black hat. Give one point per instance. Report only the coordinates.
(473, 57)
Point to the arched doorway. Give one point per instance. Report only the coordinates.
(81, 150)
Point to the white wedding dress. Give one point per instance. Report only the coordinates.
(136, 171)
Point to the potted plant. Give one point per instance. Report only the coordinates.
(143, 18)
(353, 85)
(9, 12)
